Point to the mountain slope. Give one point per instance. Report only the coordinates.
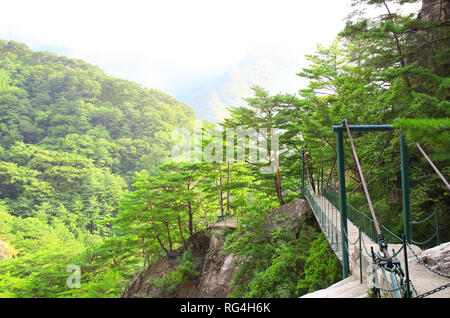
(71, 140)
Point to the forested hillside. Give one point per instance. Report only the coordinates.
(71, 139)
(86, 176)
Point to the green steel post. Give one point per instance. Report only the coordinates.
(405, 188)
(342, 201)
(321, 181)
(436, 213)
(303, 173)
(405, 253)
(360, 258)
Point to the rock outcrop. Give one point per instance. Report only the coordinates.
(438, 258)
(347, 288)
(433, 10)
(216, 269)
(429, 41)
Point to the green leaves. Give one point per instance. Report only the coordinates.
(272, 262)
(322, 268)
(184, 271)
(71, 138)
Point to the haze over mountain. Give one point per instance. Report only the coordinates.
(272, 69)
(201, 52)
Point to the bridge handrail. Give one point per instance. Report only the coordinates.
(321, 200)
(355, 216)
(436, 232)
(328, 227)
(324, 222)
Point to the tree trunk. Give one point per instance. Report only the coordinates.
(181, 232)
(159, 239)
(278, 176)
(168, 236)
(191, 217)
(220, 190)
(398, 47)
(279, 191)
(228, 188)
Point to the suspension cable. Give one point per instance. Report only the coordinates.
(433, 166)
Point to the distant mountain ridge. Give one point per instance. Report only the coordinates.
(273, 70)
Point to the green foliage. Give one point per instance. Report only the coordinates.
(273, 261)
(419, 130)
(322, 268)
(389, 69)
(85, 177)
(261, 115)
(44, 252)
(183, 272)
(71, 138)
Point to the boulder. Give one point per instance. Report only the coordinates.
(438, 258)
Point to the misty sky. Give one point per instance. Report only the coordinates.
(170, 44)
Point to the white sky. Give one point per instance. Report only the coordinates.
(170, 44)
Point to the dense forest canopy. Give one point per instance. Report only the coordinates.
(72, 138)
(86, 176)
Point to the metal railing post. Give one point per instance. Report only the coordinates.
(405, 189)
(436, 213)
(405, 253)
(360, 257)
(342, 201)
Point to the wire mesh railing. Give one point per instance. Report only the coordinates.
(326, 216)
(361, 220)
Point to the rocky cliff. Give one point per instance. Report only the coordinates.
(428, 41)
(215, 269)
(433, 10)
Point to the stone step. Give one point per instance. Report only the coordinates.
(347, 288)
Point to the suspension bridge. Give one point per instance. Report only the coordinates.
(361, 243)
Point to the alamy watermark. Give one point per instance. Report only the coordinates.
(74, 279)
(258, 146)
(373, 281)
